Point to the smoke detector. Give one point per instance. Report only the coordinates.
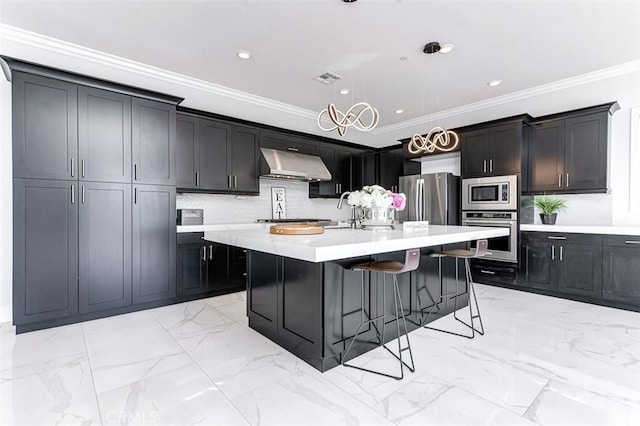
(328, 78)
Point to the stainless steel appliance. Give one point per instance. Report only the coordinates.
(434, 197)
(297, 221)
(189, 216)
(504, 249)
(293, 165)
(490, 193)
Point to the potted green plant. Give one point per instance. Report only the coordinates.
(549, 207)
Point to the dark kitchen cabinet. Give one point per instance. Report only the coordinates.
(621, 269)
(566, 263)
(45, 127)
(391, 165)
(492, 150)
(105, 246)
(153, 142)
(338, 161)
(215, 156)
(45, 250)
(568, 151)
(364, 169)
(104, 135)
(153, 243)
(210, 268)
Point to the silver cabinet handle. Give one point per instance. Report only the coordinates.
(73, 194)
(632, 242)
(228, 181)
(235, 181)
(197, 179)
(82, 166)
(567, 180)
(553, 252)
(557, 238)
(484, 166)
(211, 252)
(292, 149)
(491, 165)
(560, 180)
(135, 172)
(72, 168)
(82, 194)
(336, 188)
(339, 188)
(204, 253)
(487, 272)
(561, 253)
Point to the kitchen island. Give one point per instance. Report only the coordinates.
(302, 294)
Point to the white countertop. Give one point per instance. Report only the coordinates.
(336, 244)
(221, 227)
(584, 229)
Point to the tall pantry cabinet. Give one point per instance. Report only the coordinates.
(94, 196)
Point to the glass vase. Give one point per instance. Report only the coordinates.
(377, 218)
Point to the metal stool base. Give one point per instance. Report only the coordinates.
(398, 307)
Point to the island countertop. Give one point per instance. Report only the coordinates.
(335, 244)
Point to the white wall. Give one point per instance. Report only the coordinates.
(441, 163)
(6, 202)
(242, 209)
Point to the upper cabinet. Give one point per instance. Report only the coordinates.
(45, 123)
(568, 151)
(154, 142)
(494, 148)
(216, 156)
(338, 161)
(391, 165)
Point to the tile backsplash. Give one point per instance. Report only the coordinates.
(584, 209)
(220, 208)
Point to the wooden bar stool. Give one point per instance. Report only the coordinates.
(480, 250)
(412, 260)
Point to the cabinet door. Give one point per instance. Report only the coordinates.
(218, 266)
(538, 269)
(390, 169)
(214, 155)
(244, 159)
(585, 152)
(365, 170)
(154, 243)
(45, 132)
(506, 142)
(105, 246)
(262, 296)
(154, 142)
(474, 152)
(45, 250)
(546, 156)
(238, 268)
(621, 272)
(192, 268)
(187, 152)
(580, 270)
(343, 170)
(104, 135)
(329, 189)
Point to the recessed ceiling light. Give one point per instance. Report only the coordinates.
(243, 54)
(344, 91)
(399, 111)
(494, 83)
(446, 48)
(403, 58)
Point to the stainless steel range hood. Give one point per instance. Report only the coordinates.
(293, 165)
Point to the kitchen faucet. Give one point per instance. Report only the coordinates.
(352, 221)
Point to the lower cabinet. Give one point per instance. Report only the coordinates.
(564, 263)
(207, 268)
(314, 309)
(621, 269)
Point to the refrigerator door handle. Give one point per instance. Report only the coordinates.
(420, 199)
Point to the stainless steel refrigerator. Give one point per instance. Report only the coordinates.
(434, 197)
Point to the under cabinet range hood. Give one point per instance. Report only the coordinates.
(293, 165)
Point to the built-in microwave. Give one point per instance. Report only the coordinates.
(490, 193)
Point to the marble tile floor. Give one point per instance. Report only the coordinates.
(543, 361)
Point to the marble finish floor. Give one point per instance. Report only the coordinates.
(543, 361)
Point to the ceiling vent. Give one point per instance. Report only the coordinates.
(328, 78)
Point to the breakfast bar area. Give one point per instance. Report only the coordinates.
(303, 295)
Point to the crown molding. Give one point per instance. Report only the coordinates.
(39, 41)
(602, 74)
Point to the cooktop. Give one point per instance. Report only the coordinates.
(298, 220)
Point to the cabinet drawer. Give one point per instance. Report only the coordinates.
(630, 241)
(190, 237)
(560, 237)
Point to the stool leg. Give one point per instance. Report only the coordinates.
(398, 306)
(434, 304)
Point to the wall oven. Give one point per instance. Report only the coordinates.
(490, 193)
(504, 249)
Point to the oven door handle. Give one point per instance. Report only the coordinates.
(488, 222)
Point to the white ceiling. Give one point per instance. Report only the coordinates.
(524, 43)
